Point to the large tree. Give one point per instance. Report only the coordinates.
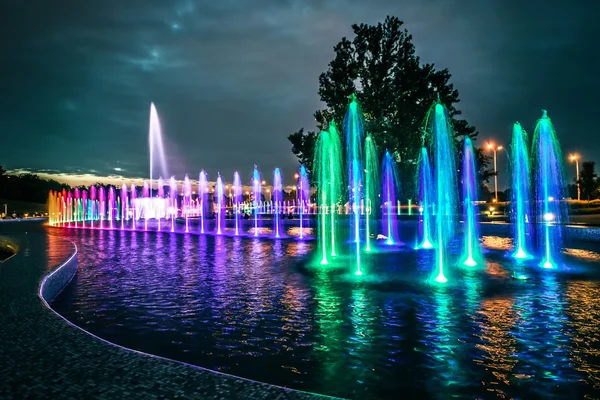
(395, 91)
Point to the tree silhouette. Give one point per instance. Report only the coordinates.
(395, 91)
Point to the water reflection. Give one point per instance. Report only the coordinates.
(248, 307)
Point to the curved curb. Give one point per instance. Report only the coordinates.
(67, 271)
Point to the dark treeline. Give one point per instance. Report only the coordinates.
(27, 187)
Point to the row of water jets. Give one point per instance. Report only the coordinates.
(357, 196)
(447, 182)
(125, 209)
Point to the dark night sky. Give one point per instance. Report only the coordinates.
(231, 79)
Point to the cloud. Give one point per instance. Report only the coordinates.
(232, 79)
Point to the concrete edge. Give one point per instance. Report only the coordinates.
(69, 273)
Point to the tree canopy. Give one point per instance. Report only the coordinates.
(27, 187)
(395, 91)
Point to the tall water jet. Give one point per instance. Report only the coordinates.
(220, 204)
(187, 201)
(549, 188)
(389, 187)
(236, 201)
(155, 143)
(102, 205)
(111, 205)
(257, 197)
(425, 200)
(146, 203)
(133, 205)
(124, 205)
(203, 197)
(173, 201)
(278, 202)
(521, 192)
(441, 140)
(471, 252)
(327, 165)
(354, 134)
(371, 188)
(303, 196)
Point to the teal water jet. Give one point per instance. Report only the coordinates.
(425, 199)
(371, 187)
(354, 135)
(549, 191)
(521, 192)
(445, 185)
(327, 162)
(389, 188)
(471, 248)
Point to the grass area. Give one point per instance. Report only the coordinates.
(21, 207)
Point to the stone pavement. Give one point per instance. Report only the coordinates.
(43, 356)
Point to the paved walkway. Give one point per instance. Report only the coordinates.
(42, 356)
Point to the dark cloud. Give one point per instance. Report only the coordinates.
(232, 79)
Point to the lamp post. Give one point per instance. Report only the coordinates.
(494, 148)
(575, 158)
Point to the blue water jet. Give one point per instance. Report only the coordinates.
(520, 193)
(551, 210)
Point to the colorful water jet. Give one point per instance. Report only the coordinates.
(203, 198)
(236, 201)
(444, 183)
(257, 197)
(219, 201)
(155, 144)
(303, 197)
(425, 200)
(549, 188)
(471, 247)
(520, 193)
(389, 187)
(277, 200)
(371, 188)
(354, 134)
(327, 164)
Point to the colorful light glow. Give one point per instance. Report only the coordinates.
(425, 199)
(549, 183)
(371, 185)
(471, 246)
(354, 135)
(389, 188)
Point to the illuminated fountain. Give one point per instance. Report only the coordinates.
(389, 188)
(549, 186)
(371, 189)
(327, 164)
(471, 248)
(303, 197)
(219, 201)
(278, 202)
(354, 135)
(425, 200)
(445, 185)
(133, 204)
(203, 197)
(257, 194)
(236, 201)
(521, 192)
(173, 201)
(124, 207)
(186, 203)
(155, 144)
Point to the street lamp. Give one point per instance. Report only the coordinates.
(494, 148)
(575, 158)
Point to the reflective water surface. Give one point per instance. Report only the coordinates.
(251, 308)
